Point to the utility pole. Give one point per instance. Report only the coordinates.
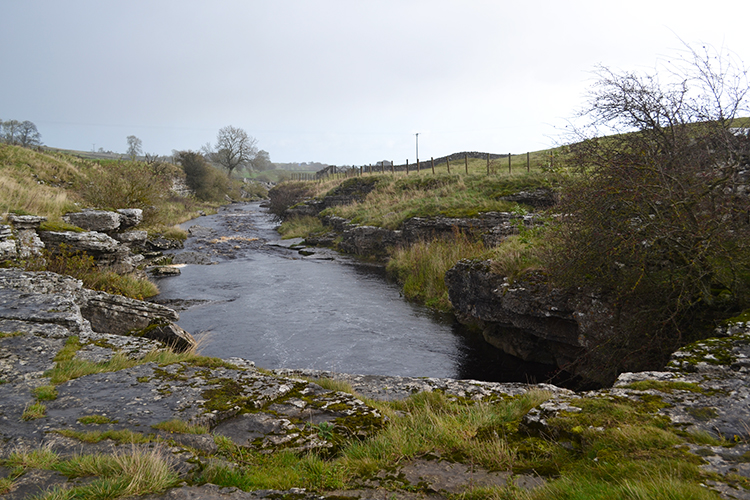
(417, 134)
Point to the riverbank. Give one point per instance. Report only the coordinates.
(211, 423)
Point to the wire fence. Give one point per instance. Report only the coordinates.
(455, 163)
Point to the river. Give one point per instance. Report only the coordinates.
(282, 309)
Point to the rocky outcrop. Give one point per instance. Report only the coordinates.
(104, 221)
(373, 241)
(75, 308)
(369, 241)
(120, 315)
(105, 250)
(528, 318)
(493, 227)
(24, 235)
(108, 238)
(539, 198)
(39, 312)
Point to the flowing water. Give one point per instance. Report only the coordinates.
(282, 309)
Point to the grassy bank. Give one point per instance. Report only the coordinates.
(387, 200)
(50, 184)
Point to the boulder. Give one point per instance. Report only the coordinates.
(132, 238)
(120, 315)
(93, 243)
(130, 217)
(169, 334)
(163, 271)
(94, 220)
(26, 221)
(7, 243)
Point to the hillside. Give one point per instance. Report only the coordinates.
(51, 183)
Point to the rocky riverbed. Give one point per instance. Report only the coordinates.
(46, 319)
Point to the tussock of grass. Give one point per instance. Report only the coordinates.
(45, 393)
(122, 436)
(421, 267)
(472, 433)
(95, 420)
(40, 458)
(300, 227)
(122, 474)
(34, 411)
(333, 384)
(74, 368)
(281, 471)
(646, 487)
(518, 254)
(68, 368)
(177, 426)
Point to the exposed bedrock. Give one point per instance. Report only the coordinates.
(374, 241)
(528, 318)
(109, 238)
(53, 302)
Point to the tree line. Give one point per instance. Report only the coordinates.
(20, 133)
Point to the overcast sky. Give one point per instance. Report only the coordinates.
(334, 81)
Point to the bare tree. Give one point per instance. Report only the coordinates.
(18, 133)
(10, 131)
(234, 149)
(28, 135)
(135, 147)
(658, 217)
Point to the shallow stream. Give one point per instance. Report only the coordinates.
(282, 309)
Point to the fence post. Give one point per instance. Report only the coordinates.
(448, 163)
(417, 165)
(528, 163)
(488, 164)
(466, 162)
(407, 166)
(432, 162)
(393, 168)
(510, 171)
